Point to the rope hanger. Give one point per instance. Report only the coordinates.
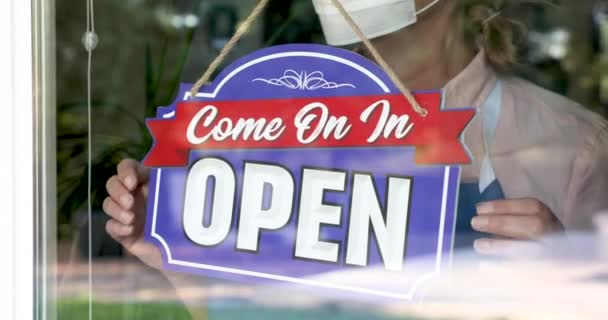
(245, 26)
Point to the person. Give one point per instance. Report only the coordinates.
(538, 159)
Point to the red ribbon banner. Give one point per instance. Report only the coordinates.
(362, 121)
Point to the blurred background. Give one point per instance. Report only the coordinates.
(148, 47)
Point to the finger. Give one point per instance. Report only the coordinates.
(514, 207)
(115, 211)
(510, 226)
(144, 191)
(147, 252)
(118, 231)
(506, 248)
(117, 190)
(132, 173)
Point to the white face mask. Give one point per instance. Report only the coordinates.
(375, 18)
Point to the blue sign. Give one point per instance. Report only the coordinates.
(303, 161)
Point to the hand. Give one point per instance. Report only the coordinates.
(126, 207)
(512, 221)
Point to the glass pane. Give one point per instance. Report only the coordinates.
(526, 236)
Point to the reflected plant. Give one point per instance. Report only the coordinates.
(163, 70)
(163, 31)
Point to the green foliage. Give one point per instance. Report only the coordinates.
(78, 310)
(119, 130)
(137, 67)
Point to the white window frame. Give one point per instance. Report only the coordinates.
(16, 164)
(27, 161)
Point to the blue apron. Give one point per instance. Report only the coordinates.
(488, 187)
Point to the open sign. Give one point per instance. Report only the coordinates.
(276, 174)
(267, 203)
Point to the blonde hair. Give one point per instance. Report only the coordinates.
(485, 27)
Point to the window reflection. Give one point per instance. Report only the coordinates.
(147, 48)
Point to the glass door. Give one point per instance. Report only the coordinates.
(87, 79)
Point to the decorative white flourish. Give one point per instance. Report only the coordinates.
(303, 81)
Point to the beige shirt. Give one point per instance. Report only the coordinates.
(546, 146)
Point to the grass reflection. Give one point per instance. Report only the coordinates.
(78, 309)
